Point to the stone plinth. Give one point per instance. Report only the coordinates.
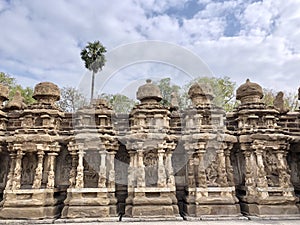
(219, 201)
(151, 202)
(33, 204)
(89, 202)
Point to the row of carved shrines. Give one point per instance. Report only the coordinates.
(154, 162)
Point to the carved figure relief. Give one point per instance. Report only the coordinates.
(150, 162)
(271, 167)
(29, 165)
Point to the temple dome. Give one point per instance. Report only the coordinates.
(249, 92)
(200, 93)
(149, 92)
(46, 92)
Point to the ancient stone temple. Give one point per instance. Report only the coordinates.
(33, 144)
(151, 184)
(210, 184)
(93, 146)
(156, 162)
(263, 176)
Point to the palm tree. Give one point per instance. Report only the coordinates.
(94, 59)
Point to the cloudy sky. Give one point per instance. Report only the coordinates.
(260, 40)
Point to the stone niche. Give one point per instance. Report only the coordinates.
(210, 184)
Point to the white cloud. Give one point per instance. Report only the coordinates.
(42, 40)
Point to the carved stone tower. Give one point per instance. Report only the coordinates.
(92, 177)
(33, 146)
(210, 183)
(151, 185)
(264, 185)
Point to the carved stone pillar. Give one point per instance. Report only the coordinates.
(202, 182)
(51, 174)
(229, 168)
(16, 184)
(261, 173)
(10, 176)
(39, 171)
(111, 172)
(79, 176)
(169, 170)
(249, 176)
(191, 173)
(102, 170)
(131, 170)
(162, 179)
(72, 149)
(222, 176)
(140, 170)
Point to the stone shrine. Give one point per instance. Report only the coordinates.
(156, 162)
(151, 183)
(210, 184)
(260, 158)
(91, 192)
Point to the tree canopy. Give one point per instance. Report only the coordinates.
(120, 103)
(71, 99)
(93, 56)
(94, 59)
(11, 83)
(223, 90)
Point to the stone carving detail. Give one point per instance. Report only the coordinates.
(264, 148)
(271, 168)
(279, 103)
(17, 102)
(46, 93)
(38, 171)
(154, 162)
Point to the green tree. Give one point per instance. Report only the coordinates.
(167, 89)
(7, 80)
(222, 87)
(119, 103)
(94, 59)
(71, 99)
(223, 90)
(10, 81)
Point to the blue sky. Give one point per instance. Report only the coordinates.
(42, 40)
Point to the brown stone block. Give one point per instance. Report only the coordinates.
(30, 212)
(87, 211)
(264, 210)
(228, 210)
(152, 201)
(153, 211)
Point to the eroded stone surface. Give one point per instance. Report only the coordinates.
(157, 162)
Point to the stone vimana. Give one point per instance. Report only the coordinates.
(156, 162)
